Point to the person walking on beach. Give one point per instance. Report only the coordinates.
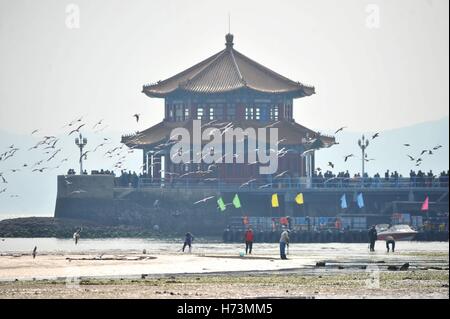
(284, 241)
(249, 236)
(76, 236)
(390, 241)
(188, 241)
(372, 237)
(34, 252)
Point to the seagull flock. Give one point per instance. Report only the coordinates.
(48, 146)
(51, 153)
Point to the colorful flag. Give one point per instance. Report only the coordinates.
(343, 202)
(221, 204)
(425, 205)
(275, 200)
(236, 201)
(299, 198)
(360, 200)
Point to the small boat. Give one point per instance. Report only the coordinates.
(398, 232)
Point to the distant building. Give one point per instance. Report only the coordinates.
(228, 87)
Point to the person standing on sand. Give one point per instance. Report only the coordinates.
(76, 235)
(284, 241)
(34, 252)
(249, 236)
(390, 241)
(188, 241)
(372, 237)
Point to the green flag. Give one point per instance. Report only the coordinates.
(221, 204)
(236, 201)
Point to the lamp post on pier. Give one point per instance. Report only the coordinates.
(363, 144)
(81, 142)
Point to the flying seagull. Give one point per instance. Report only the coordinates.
(137, 117)
(247, 183)
(347, 156)
(35, 131)
(77, 130)
(423, 152)
(411, 158)
(281, 174)
(273, 124)
(406, 144)
(340, 129)
(78, 191)
(331, 164)
(98, 123)
(204, 200)
(437, 147)
(375, 135)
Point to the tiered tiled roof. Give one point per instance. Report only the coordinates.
(228, 71)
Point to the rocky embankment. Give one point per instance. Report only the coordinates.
(64, 228)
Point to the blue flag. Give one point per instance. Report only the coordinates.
(343, 202)
(360, 200)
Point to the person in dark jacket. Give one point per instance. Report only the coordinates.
(249, 236)
(372, 237)
(188, 241)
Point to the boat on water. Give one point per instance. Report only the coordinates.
(398, 232)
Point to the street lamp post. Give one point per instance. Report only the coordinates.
(81, 142)
(363, 144)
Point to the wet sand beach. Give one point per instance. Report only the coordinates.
(217, 271)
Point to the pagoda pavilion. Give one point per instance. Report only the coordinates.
(227, 90)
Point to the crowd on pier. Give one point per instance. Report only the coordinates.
(327, 179)
(390, 179)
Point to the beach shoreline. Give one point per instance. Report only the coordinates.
(312, 271)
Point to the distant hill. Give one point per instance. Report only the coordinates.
(388, 150)
(37, 191)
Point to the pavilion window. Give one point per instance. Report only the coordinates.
(257, 113)
(199, 113)
(231, 112)
(211, 113)
(186, 113)
(178, 112)
(249, 113)
(274, 113)
(218, 112)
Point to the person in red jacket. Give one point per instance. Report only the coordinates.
(249, 236)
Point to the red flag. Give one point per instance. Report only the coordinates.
(425, 204)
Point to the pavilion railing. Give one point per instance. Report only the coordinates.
(294, 183)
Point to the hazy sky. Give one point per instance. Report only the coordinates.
(366, 78)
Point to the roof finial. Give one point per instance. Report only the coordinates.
(229, 36)
(229, 39)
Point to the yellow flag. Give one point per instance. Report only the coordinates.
(299, 198)
(275, 200)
